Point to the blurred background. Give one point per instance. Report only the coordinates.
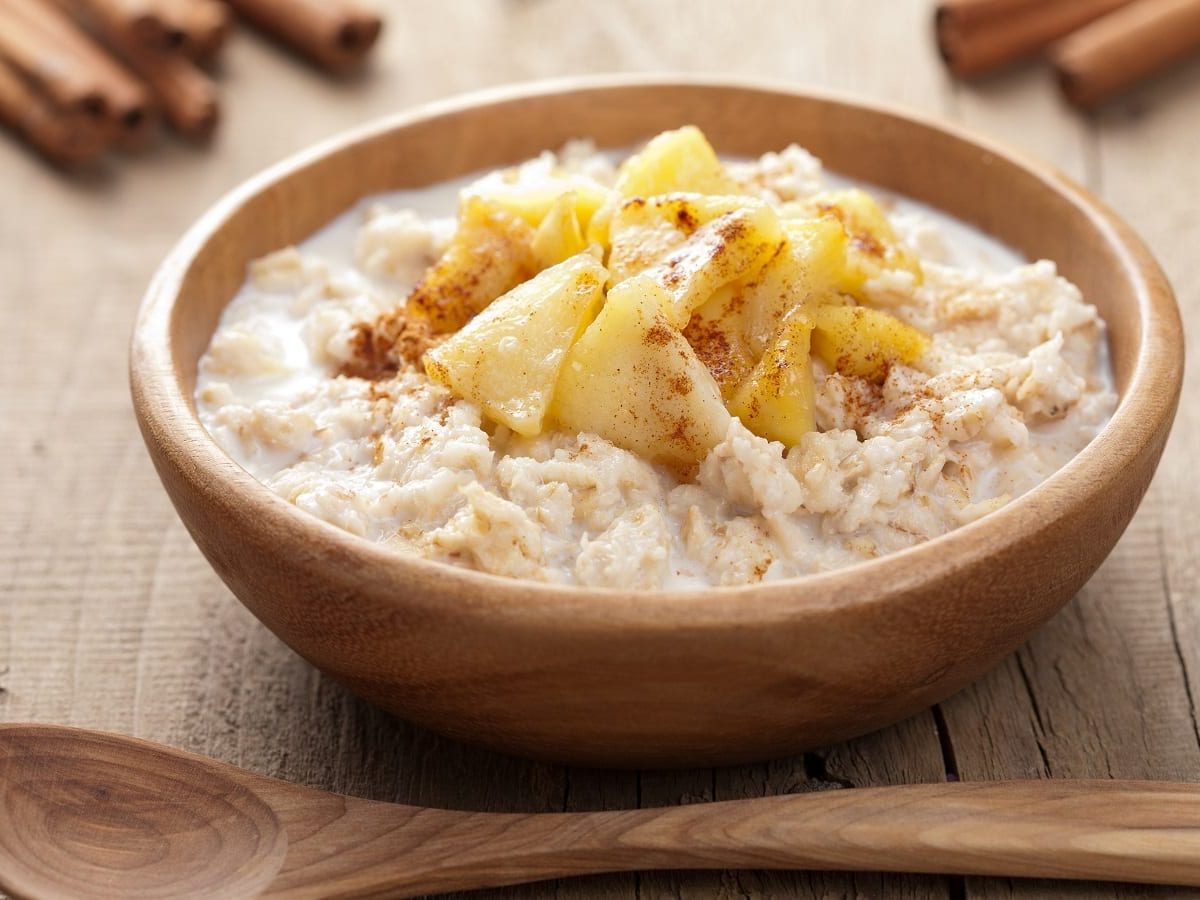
(109, 617)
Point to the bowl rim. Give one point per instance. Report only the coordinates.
(1147, 404)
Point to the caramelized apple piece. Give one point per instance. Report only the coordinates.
(873, 244)
(718, 333)
(645, 229)
(856, 340)
(489, 255)
(777, 400)
(533, 202)
(559, 237)
(633, 379)
(727, 248)
(680, 160)
(507, 359)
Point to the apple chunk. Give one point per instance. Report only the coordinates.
(856, 340)
(729, 247)
(508, 358)
(777, 400)
(633, 379)
(680, 160)
(488, 255)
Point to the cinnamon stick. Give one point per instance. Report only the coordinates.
(48, 66)
(969, 13)
(66, 138)
(979, 36)
(335, 34)
(127, 101)
(140, 20)
(187, 95)
(203, 25)
(1125, 47)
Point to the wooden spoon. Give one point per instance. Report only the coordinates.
(88, 814)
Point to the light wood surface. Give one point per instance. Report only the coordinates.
(89, 815)
(110, 618)
(625, 678)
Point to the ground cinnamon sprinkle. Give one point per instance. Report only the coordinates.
(392, 342)
(672, 277)
(443, 300)
(731, 229)
(863, 398)
(378, 394)
(736, 302)
(712, 347)
(681, 384)
(659, 335)
(863, 241)
(686, 220)
(681, 436)
(868, 244)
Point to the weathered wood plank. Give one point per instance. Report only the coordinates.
(1021, 107)
(1106, 688)
(1150, 171)
(109, 618)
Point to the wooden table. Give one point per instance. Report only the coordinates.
(109, 617)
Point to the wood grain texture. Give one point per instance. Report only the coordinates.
(109, 617)
(89, 815)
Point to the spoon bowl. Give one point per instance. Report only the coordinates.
(85, 812)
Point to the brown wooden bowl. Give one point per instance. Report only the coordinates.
(695, 677)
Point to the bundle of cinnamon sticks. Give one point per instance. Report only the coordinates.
(1098, 48)
(81, 77)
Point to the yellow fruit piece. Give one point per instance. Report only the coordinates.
(533, 202)
(680, 160)
(808, 269)
(819, 265)
(777, 400)
(559, 237)
(820, 247)
(489, 255)
(633, 380)
(718, 334)
(873, 244)
(735, 326)
(727, 248)
(856, 340)
(645, 229)
(597, 229)
(508, 358)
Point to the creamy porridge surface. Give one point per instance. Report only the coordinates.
(1010, 381)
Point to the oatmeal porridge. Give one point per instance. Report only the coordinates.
(673, 371)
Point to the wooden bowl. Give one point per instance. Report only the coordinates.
(696, 677)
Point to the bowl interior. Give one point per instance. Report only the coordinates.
(978, 184)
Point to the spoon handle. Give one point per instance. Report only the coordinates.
(1105, 830)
